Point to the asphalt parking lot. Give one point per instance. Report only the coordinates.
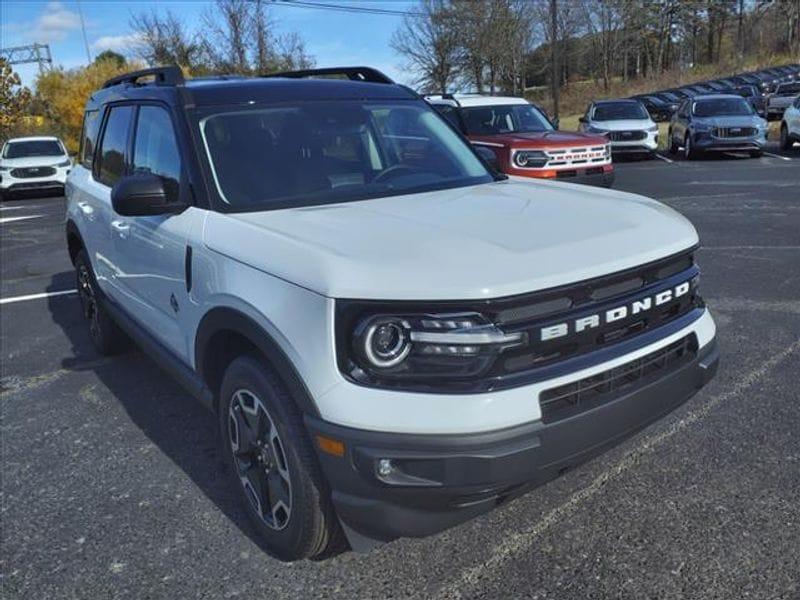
(113, 486)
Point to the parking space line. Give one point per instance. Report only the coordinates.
(467, 580)
(664, 158)
(777, 156)
(36, 296)
(4, 220)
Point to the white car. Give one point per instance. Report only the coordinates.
(790, 125)
(393, 337)
(626, 123)
(33, 163)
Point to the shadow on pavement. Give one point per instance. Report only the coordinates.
(173, 420)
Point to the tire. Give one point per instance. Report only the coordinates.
(271, 461)
(786, 141)
(756, 153)
(105, 334)
(672, 147)
(689, 152)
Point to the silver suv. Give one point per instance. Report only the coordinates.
(393, 337)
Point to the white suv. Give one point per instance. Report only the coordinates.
(33, 163)
(626, 123)
(394, 338)
(790, 125)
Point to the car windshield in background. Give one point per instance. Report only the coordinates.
(317, 153)
(33, 148)
(789, 89)
(505, 118)
(722, 107)
(618, 111)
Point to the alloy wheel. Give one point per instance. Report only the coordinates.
(88, 300)
(260, 459)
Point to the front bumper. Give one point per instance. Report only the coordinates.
(11, 183)
(444, 480)
(708, 143)
(601, 176)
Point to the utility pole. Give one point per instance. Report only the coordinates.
(83, 29)
(740, 36)
(555, 74)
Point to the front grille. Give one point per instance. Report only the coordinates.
(28, 172)
(626, 136)
(565, 158)
(585, 394)
(733, 132)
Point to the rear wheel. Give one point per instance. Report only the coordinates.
(106, 335)
(273, 464)
(786, 141)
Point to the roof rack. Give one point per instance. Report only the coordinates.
(170, 75)
(367, 74)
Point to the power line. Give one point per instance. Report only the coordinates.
(348, 9)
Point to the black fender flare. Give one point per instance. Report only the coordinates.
(71, 229)
(229, 319)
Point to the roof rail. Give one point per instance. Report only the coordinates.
(367, 74)
(170, 75)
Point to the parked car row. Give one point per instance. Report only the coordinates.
(768, 91)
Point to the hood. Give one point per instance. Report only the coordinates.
(485, 241)
(732, 121)
(32, 161)
(543, 139)
(623, 124)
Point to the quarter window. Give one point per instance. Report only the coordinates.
(91, 127)
(156, 149)
(112, 148)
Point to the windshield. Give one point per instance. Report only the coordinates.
(316, 153)
(505, 118)
(33, 148)
(788, 89)
(619, 110)
(722, 107)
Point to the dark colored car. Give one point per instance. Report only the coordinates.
(718, 123)
(719, 86)
(752, 94)
(659, 108)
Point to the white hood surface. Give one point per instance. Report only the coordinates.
(486, 241)
(624, 124)
(33, 161)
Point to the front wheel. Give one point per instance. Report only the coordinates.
(756, 153)
(273, 464)
(673, 145)
(688, 148)
(786, 142)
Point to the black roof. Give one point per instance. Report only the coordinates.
(167, 84)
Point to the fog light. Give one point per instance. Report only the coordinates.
(385, 467)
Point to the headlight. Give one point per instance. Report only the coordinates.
(2, 168)
(593, 129)
(66, 163)
(396, 348)
(653, 128)
(532, 159)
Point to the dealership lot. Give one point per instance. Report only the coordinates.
(113, 487)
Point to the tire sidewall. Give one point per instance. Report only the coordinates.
(107, 339)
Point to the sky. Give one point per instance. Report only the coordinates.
(333, 38)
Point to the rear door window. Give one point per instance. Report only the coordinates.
(112, 157)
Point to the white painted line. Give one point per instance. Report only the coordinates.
(36, 296)
(4, 220)
(664, 158)
(22, 207)
(777, 156)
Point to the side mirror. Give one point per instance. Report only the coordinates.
(556, 123)
(142, 195)
(489, 157)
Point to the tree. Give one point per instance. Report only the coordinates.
(164, 40)
(64, 94)
(14, 100)
(110, 55)
(430, 45)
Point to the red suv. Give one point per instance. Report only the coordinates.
(525, 142)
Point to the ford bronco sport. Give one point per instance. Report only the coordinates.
(393, 337)
(519, 139)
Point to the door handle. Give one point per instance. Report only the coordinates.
(121, 227)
